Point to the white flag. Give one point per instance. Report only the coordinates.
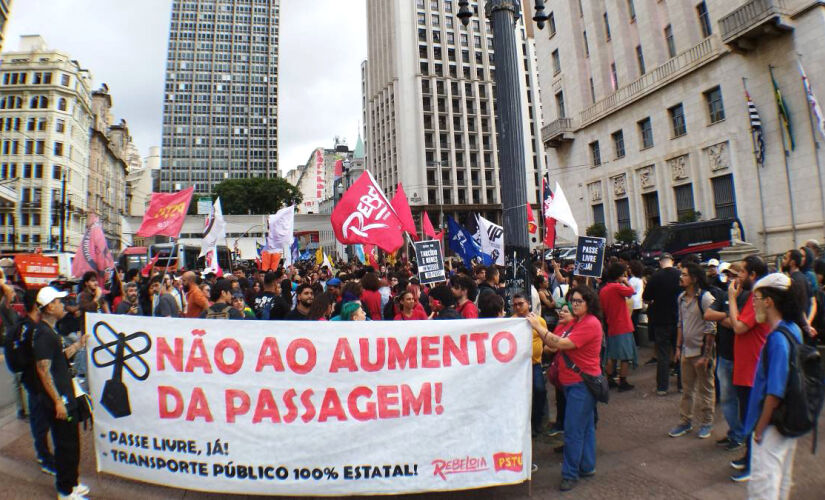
(327, 262)
(492, 240)
(560, 210)
(215, 229)
(281, 227)
(210, 263)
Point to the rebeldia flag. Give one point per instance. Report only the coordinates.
(166, 214)
(364, 215)
(93, 253)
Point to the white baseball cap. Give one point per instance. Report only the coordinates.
(49, 294)
(774, 280)
(712, 263)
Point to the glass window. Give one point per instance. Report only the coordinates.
(595, 153)
(685, 210)
(560, 104)
(551, 24)
(598, 214)
(651, 206)
(586, 46)
(631, 10)
(606, 28)
(646, 132)
(704, 19)
(716, 108)
(614, 77)
(623, 213)
(671, 43)
(724, 197)
(618, 143)
(677, 120)
(556, 62)
(640, 59)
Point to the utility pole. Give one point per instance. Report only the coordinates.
(63, 213)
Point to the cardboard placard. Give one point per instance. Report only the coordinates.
(430, 261)
(590, 256)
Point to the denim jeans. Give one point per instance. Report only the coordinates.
(39, 418)
(579, 432)
(539, 397)
(728, 400)
(743, 393)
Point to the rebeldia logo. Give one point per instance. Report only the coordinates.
(508, 461)
(443, 468)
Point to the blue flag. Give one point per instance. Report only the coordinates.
(294, 249)
(462, 242)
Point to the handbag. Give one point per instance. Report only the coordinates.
(553, 369)
(596, 384)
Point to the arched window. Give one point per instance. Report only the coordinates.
(61, 104)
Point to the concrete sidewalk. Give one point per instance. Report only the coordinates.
(636, 460)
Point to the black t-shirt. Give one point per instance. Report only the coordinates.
(124, 308)
(662, 292)
(295, 315)
(49, 345)
(25, 330)
(724, 335)
(274, 303)
(802, 283)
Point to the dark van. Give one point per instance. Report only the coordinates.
(704, 238)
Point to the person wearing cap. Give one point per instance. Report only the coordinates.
(714, 274)
(772, 457)
(52, 362)
(728, 401)
(660, 295)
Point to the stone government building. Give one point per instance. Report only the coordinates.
(646, 120)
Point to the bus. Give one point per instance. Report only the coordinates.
(704, 238)
(133, 258)
(186, 257)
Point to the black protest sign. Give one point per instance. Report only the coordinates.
(430, 261)
(589, 256)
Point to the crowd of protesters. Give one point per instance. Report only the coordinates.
(710, 323)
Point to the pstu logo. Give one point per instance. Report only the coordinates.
(458, 466)
(508, 461)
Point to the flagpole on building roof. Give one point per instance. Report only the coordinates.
(759, 164)
(783, 128)
(809, 104)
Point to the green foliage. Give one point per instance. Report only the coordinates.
(626, 236)
(256, 195)
(597, 231)
(692, 216)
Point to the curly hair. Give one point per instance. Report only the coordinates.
(591, 299)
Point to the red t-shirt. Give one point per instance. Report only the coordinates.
(587, 335)
(747, 346)
(468, 310)
(418, 313)
(371, 300)
(613, 297)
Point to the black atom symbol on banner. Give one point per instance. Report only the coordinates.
(115, 397)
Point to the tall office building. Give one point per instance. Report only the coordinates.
(4, 17)
(429, 106)
(647, 120)
(220, 114)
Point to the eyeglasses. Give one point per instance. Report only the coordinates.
(577, 302)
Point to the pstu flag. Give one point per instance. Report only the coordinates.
(816, 110)
(166, 214)
(93, 253)
(531, 221)
(756, 129)
(215, 229)
(784, 115)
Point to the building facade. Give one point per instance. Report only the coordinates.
(316, 178)
(647, 123)
(5, 6)
(220, 114)
(45, 118)
(142, 182)
(429, 112)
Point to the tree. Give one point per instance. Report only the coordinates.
(626, 235)
(597, 230)
(256, 195)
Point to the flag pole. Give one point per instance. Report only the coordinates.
(813, 135)
(759, 166)
(787, 154)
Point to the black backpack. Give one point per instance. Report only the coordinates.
(819, 318)
(18, 347)
(798, 413)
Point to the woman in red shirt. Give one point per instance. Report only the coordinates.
(411, 309)
(581, 346)
(565, 313)
(370, 296)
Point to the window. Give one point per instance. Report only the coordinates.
(614, 78)
(623, 213)
(59, 126)
(556, 62)
(38, 171)
(631, 10)
(677, 120)
(551, 24)
(646, 132)
(586, 46)
(58, 149)
(592, 92)
(724, 197)
(640, 59)
(560, 104)
(607, 28)
(671, 44)
(595, 153)
(598, 214)
(651, 206)
(704, 19)
(618, 143)
(685, 209)
(61, 104)
(57, 172)
(716, 108)
(64, 80)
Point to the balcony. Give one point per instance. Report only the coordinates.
(557, 132)
(743, 27)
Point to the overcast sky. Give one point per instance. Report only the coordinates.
(123, 43)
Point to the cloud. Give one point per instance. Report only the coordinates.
(123, 43)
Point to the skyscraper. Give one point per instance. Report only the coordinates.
(220, 113)
(429, 109)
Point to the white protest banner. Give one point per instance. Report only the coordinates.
(311, 408)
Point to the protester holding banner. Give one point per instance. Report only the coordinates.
(521, 308)
(580, 349)
(562, 329)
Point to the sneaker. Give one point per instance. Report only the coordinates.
(567, 484)
(589, 473)
(651, 361)
(534, 468)
(733, 445)
(46, 469)
(81, 489)
(70, 496)
(624, 386)
(611, 383)
(680, 430)
(741, 477)
(724, 442)
(661, 393)
(739, 463)
(704, 431)
(555, 431)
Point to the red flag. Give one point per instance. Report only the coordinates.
(531, 220)
(549, 222)
(427, 226)
(93, 253)
(147, 269)
(339, 169)
(402, 209)
(166, 214)
(371, 255)
(363, 215)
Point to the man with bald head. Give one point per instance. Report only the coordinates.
(196, 301)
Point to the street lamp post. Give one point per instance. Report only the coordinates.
(503, 15)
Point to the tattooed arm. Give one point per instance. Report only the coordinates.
(45, 374)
